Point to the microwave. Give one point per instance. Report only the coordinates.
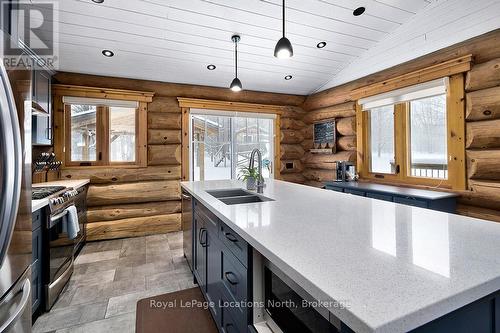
(285, 306)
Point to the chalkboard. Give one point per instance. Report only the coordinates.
(324, 134)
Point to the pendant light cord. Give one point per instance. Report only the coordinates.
(236, 57)
(283, 18)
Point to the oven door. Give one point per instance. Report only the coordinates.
(60, 253)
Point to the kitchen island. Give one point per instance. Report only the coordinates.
(396, 267)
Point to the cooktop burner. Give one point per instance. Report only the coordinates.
(43, 192)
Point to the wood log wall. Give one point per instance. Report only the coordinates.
(482, 199)
(292, 152)
(320, 167)
(127, 202)
(483, 141)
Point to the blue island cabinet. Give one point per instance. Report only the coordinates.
(223, 269)
(436, 200)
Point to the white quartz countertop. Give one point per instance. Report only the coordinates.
(396, 267)
(74, 183)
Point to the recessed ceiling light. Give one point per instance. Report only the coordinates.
(98, 1)
(108, 53)
(321, 45)
(211, 67)
(358, 11)
(288, 77)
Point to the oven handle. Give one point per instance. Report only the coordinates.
(53, 219)
(22, 305)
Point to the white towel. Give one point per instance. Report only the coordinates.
(73, 225)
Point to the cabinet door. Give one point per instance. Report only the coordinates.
(411, 201)
(42, 95)
(201, 253)
(355, 192)
(379, 196)
(41, 89)
(213, 275)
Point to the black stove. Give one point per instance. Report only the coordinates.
(45, 191)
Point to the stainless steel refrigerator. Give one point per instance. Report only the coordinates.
(15, 199)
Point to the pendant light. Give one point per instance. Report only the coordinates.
(236, 84)
(283, 48)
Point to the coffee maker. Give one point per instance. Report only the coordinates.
(345, 171)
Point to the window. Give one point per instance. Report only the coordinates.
(101, 132)
(83, 133)
(428, 142)
(122, 134)
(222, 143)
(405, 135)
(382, 150)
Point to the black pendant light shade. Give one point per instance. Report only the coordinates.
(236, 84)
(283, 48)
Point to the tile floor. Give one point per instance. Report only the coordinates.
(110, 277)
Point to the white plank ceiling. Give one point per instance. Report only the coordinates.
(175, 40)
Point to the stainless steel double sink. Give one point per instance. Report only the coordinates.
(236, 196)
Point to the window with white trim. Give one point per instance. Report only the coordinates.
(406, 134)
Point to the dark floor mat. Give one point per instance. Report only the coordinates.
(170, 313)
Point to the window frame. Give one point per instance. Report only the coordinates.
(187, 103)
(103, 145)
(455, 132)
(62, 124)
(233, 138)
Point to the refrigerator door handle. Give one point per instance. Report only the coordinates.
(20, 309)
(11, 146)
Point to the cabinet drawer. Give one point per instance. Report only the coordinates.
(234, 280)
(235, 243)
(36, 219)
(355, 192)
(411, 201)
(379, 196)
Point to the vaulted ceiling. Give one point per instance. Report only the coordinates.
(175, 40)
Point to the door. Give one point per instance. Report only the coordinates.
(15, 176)
(223, 141)
(60, 258)
(201, 252)
(42, 120)
(213, 273)
(15, 199)
(15, 307)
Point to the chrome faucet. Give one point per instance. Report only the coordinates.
(260, 181)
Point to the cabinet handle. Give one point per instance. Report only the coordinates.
(200, 235)
(203, 241)
(231, 237)
(231, 278)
